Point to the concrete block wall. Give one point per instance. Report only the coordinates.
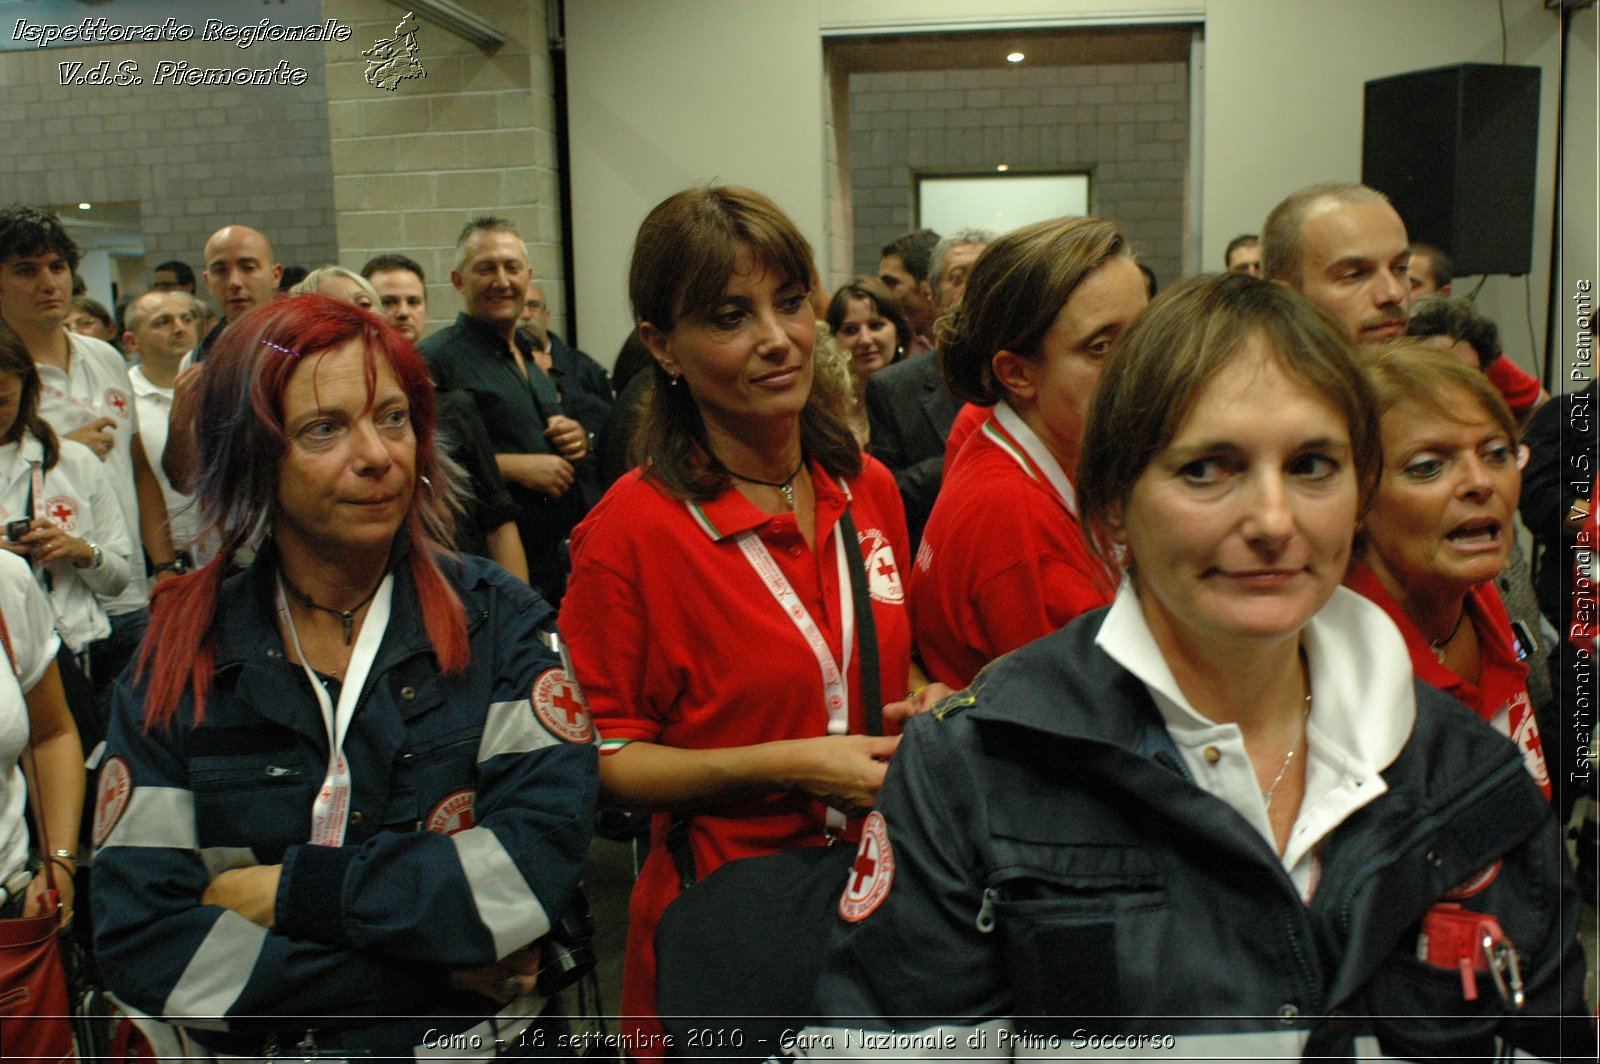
(1126, 125)
(475, 136)
(192, 157)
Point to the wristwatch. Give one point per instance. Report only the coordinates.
(96, 555)
(175, 566)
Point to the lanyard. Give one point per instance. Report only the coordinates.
(329, 812)
(52, 390)
(35, 492)
(835, 682)
(1029, 441)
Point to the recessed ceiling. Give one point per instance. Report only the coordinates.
(1091, 46)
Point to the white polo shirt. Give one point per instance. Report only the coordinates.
(96, 385)
(31, 625)
(184, 520)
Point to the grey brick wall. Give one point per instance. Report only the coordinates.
(1126, 125)
(194, 158)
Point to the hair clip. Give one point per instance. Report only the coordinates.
(280, 347)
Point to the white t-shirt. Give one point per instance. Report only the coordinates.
(96, 385)
(77, 495)
(183, 519)
(31, 624)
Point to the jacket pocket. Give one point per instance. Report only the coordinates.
(239, 800)
(1064, 912)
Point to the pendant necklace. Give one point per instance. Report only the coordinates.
(346, 617)
(786, 485)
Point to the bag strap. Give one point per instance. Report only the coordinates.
(34, 792)
(677, 839)
(866, 629)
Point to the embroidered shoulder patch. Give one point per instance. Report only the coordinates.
(116, 785)
(559, 705)
(871, 874)
(454, 812)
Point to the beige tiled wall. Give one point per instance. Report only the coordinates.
(475, 136)
(1126, 124)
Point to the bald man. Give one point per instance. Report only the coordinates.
(242, 273)
(1345, 247)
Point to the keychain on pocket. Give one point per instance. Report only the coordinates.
(1471, 942)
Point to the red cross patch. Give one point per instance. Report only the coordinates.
(454, 813)
(871, 873)
(559, 705)
(116, 784)
(63, 511)
(883, 574)
(118, 402)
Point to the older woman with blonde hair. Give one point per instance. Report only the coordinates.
(1440, 531)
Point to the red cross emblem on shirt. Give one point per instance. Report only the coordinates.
(558, 703)
(63, 511)
(117, 402)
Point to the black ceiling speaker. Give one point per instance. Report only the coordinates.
(1454, 149)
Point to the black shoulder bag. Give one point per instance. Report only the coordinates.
(744, 945)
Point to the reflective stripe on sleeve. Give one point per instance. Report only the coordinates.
(160, 817)
(506, 904)
(220, 859)
(217, 973)
(511, 728)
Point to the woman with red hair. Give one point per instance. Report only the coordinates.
(338, 815)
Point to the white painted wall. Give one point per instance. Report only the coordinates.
(671, 92)
(1283, 100)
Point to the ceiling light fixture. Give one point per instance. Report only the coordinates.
(1015, 57)
(1003, 167)
(85, 206)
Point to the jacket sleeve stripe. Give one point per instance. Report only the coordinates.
(220, 859)
(216, 975)
(160, 817)
(511, 729)
(506, 905)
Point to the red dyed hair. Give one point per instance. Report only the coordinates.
(242, 444)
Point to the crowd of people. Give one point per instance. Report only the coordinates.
(1168, 662)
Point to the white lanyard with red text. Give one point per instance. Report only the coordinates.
(332, 807)
(52, 390)
(35, 497)
(835, 675)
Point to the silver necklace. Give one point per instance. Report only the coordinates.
(1287, 758)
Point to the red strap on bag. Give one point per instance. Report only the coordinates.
(35, 1009)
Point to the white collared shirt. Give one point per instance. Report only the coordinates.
(184, 520)
(95, 384)
(77, 496)
(1362, 710)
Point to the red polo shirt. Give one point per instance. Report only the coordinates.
(1003, 560)
(1501, 694)
(1519, 390)
(676, 640)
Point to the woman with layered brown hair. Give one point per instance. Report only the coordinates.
(1003, 559)
(725, 595)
